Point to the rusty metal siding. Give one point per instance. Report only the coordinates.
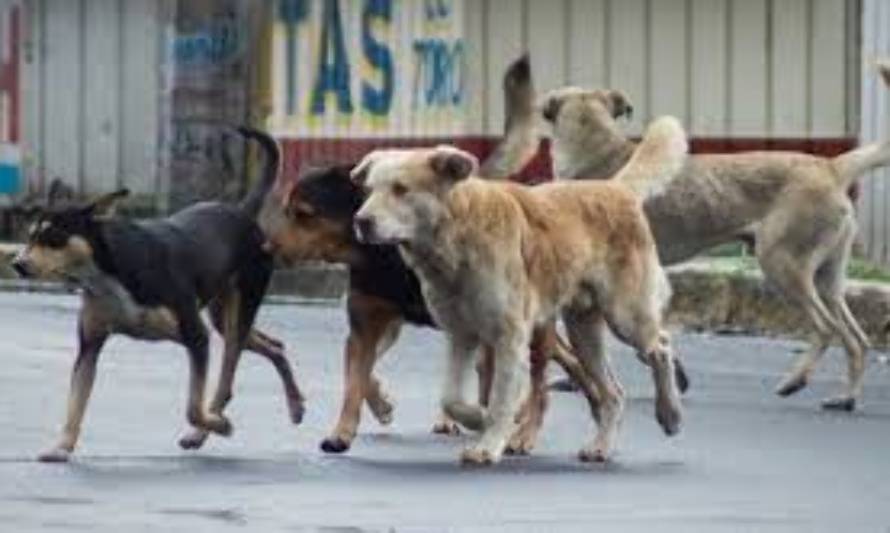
(91, 89)
(874, 218)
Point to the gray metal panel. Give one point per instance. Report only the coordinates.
(139, 95)
(102, 70)
(32, 86)
(709, 74)
(62, 111)
(875, 126)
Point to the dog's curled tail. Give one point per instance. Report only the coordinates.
(657, 159)
(849, 166)
(252, 203)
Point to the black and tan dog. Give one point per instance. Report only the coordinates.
(150, 280)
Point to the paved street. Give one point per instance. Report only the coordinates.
(745, 459)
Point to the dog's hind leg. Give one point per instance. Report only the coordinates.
(532, 414)
(582, 326)
(91, 339)
(795, 278)
(830, 286)
(370, 322)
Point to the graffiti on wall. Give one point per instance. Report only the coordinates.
(208, 54)
(10, 103)
(349, 67)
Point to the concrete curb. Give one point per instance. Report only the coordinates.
(710, 298)
(707, 297)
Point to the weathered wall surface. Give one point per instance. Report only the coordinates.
(89, 107)
(349, 75)
(874, 202)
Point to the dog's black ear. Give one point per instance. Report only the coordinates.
(104, 205)
(550, 107)
(452, 163)
(620, 105)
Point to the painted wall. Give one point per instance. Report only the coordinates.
(10, 98)
(348, 75)
(371, 68)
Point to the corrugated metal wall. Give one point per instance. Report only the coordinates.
(91, 89)
(737, 68)
(874, 201)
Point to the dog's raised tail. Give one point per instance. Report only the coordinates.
(853, 164)
(657, 159)
(252, 203)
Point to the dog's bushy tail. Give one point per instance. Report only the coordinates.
(657, 159)
(849, 166)
(519, 143)
(252, 203)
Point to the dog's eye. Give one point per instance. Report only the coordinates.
(399, 189)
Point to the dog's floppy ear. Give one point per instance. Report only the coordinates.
(620, 104)
(105, 204)
(452, 163)
(359, 173)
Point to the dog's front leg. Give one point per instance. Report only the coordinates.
(511, 371)
(455, 398)
(82, 377)
(194, 337)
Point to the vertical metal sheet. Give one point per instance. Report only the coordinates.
(874, 218)
(90, 74)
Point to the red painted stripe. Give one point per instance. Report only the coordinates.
(315, 152)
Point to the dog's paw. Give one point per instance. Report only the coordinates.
(382, 409)
(595, 454)
(446, 427)
(791, 385)
(297, 409)
(839, 403)
(477, 457)
(54, 455)
(522, 443)
(218, 424)
(193, 439)
(668, 415)
(564, 385)
(335, 445)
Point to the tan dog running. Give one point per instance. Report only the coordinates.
(794, 205)
(496, 259)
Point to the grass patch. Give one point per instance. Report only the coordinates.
(732, 259)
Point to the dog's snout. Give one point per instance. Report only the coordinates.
(364, 228)
(21, 267)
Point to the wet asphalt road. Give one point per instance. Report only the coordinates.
(745, 460)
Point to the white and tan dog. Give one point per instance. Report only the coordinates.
(496, 259)
(795, 206)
